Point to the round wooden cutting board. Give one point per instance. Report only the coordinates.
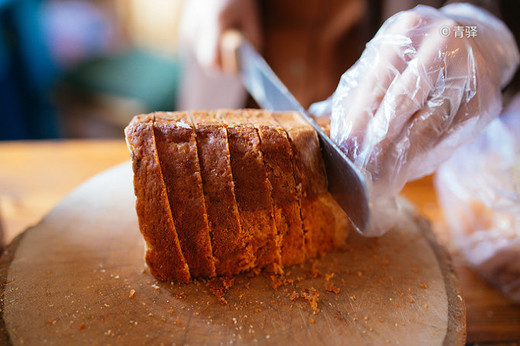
(78, 278)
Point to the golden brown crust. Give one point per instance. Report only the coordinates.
(230, 191)
(163, 252)
(230, 242)
(177, 151)
(252, 190)
(277, 155)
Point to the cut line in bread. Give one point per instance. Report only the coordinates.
(322, 218)
(277, 156)
(230, 242)
(163, 254)
(178, 156)
(252, 190)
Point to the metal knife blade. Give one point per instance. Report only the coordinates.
(346, 184)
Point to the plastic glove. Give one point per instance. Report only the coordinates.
(479, 192)
(203, 23)
(416, 94)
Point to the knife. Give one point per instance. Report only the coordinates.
(346, 184)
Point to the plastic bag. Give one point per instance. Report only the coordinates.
(479, 192)
(417, 93)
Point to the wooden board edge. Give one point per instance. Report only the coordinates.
(456, 330)
(6, 259)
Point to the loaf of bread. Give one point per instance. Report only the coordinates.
(225, 192)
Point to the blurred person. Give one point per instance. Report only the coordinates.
(309, 44)
(429, 81)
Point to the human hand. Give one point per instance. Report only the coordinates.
(204, 22)
(417, 93)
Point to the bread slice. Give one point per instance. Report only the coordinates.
(177, 150)
(163, 253)
(325, 224)
(252, 190)
(230, 242)
(277, 155)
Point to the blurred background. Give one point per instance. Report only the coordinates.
(83, 68)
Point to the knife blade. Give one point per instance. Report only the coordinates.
(346, 184)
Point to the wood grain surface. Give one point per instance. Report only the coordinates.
(34, 176)
(77, 278)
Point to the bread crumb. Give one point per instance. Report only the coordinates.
(132, 294)
(52, 320)
(311, 320)
(275, 282)
(156, 287)
(218, 287)
(177, 321)
(294, 295)
(331, 288)
(170, 311)
(181, 295)
(314, 270)
(359, 274)
(424, 286)
(352, 297)
(329, 276)
(312, 296)
(426, 306)
(82, 326)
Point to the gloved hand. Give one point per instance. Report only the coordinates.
(418, 92)
(203, 23)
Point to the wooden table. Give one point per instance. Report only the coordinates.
(34, 176)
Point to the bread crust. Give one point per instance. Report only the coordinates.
(230, 242)
(252, 190)
(163, 254)
(278, 162)
(324, 224)
(177, 150)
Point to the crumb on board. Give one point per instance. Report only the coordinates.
(294, 295)
(219, 286)
(331, 288)
(329, 276)
(314, 270)
(181, 295)
(82, 326)
(177, 321)
(52, 320)
(132, 294)
(170, 311)
(311, 320)
(276, 282)
(312, 296)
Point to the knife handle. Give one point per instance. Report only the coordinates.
(229, 43)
